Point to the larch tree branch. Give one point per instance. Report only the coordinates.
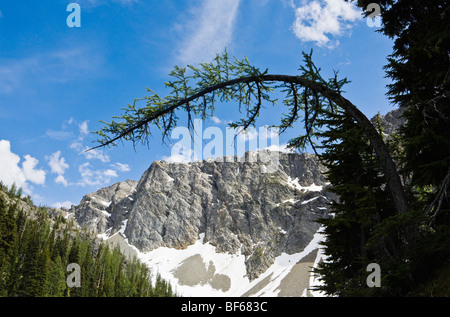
(241, 89)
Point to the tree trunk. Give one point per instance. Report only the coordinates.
(390, 171)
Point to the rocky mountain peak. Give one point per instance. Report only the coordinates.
(260, 209)
(236, 205)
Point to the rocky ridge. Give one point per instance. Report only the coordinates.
(239, 208)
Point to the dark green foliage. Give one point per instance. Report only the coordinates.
(420, 69)
(13, 191)
(8, 240)
(411, 247)
(35, 252)
(364, 228)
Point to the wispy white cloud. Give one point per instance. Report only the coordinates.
(96, 3)
(58, 134)
(84, 128)
(64, 133)
(98, 175)
(58, 66)
(209, 30)
(121, 167)
(95, 155)
(217, 120)
(78, 145)
(319, 20)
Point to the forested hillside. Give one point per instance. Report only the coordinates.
(44, 256)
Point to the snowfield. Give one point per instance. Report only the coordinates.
(200, 271)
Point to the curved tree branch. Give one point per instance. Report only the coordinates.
(389, 168)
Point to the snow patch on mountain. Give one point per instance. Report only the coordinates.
(199, 270)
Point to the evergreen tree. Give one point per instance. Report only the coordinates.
(17, 261)
(34, 254)
(31, 281)
(8, 232)
(8, 237)
(419, 68)
(356, 234)
(55, 283)
(12, 191)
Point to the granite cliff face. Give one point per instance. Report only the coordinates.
(237, 207)
(237, 226)
(106, 209)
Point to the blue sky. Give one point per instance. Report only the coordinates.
(57, 82)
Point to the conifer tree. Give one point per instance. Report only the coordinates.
(34, 255)
(352, 239)
(55, 283)
(5, 246)
(17, 261)
(30, 282)
(419, 68)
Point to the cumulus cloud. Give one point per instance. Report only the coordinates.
(180, 154)
(58, 166)
(248, 135)
(92, 177)
(262, 134)
(12, 173)
(317, 20)
(60, 179)
(209, 31)
(32, 174)
(65, 204)
(217, 120)
(280, 148)
(215, 142)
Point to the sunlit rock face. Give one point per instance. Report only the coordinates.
(236, 203)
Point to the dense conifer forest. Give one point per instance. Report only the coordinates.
(43, 255)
